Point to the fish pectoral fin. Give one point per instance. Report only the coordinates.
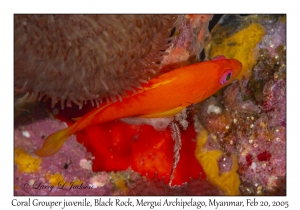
(167, 113)
(159, 123)
(53, 143)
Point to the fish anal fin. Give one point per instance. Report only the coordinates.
(167, 113)
(53, 143)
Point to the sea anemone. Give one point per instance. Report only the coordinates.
(80, 58)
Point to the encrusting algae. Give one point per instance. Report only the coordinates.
(119, 181)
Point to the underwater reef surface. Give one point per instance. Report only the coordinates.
(64, 171)
(249, 117)
(241, 131)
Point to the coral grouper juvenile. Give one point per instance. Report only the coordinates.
(163, 96)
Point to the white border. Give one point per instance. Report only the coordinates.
(153, 6)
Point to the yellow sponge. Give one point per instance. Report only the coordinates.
(25, 162)
(228, 182)
(241, 46)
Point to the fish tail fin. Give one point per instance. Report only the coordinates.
(54, 142)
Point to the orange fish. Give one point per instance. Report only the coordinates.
(163, 96)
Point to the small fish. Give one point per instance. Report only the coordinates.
(163, 96)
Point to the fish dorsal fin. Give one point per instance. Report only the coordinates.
(156, 84)
(153, 83)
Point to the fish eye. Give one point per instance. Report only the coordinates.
(225, 77)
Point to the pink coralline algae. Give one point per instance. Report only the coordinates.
(156, 187)
(64, 174)
(249, 117)
(265, 142)
(225, 163)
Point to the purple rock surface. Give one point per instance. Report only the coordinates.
(71, 162)
(249, 117)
